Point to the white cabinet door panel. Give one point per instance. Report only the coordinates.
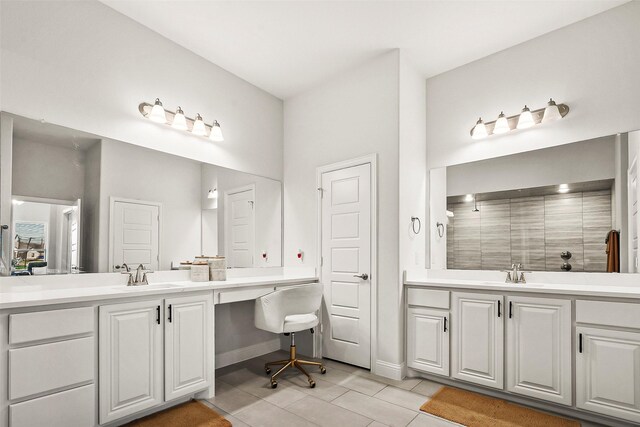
(130, 347)
(187, 343)
(608, 372)
(428, 340)
(539, 348)
(477, 344)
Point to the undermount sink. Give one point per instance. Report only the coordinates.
(147, 287)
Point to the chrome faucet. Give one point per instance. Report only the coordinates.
(515, 274)
(140, 275)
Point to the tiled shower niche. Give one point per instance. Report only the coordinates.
(533, 231)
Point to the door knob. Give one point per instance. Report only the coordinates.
(363, 276)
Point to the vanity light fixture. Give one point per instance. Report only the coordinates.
(213, 194)
(216, 132)
(157, 113)
(551, 112)
(198, 126)
(479, 131)
(502, 124)
(179, 121)
(526, 119)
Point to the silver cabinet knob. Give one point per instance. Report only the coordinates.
(363, 276)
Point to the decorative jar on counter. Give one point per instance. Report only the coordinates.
(218, 268)
(200, 271)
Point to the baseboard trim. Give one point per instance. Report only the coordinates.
(246, 353)
(390, 370)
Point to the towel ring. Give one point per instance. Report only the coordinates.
(413, 224)
(440, 228)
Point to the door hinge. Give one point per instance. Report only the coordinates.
(321, 261)
(321, 190)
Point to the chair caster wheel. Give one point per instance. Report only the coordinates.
(312, 383)
(267, 370)
(323, 370)
(274, 384)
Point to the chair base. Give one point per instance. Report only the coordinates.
(292, 362)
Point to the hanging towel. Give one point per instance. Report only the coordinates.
(613, 251)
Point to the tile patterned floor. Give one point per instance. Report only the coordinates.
(344, 396)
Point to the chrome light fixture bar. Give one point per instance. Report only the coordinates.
(523, 120)
(177, 120)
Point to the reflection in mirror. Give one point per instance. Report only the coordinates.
(565, 208)
(139, 206)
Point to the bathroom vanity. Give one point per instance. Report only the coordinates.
(85, 350)
(563, 344)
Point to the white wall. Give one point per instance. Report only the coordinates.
(591, 65)
(350, 116)
(47, 171)
(437, 214)
(85, 66)
(133, 172)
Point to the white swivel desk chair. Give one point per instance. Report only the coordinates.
(288, 311)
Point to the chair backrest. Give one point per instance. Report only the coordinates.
(271, 309)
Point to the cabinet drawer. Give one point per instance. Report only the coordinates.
(48, 367)
(620, 314)
(242, 295)
(428, 298)
(74, 407)
(43, 325)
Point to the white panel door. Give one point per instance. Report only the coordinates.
(346, 264)
(240, 227)
(608, 372)
(539, 348)
(135, 235)
(477, 338)
(428, 340)
(188, 335)
(130, 347)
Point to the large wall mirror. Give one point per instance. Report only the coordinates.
(83, 203)
(566, 208)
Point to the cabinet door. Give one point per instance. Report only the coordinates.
(428, 340)
(608, 372)
(477, 343)
(188, 337)
(130, 347)
(539, 348)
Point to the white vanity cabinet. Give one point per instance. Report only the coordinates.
(153, 351)
(130, 347)
(428, 331)
(539, 348)
(477, 338)
(187, 331)
(608, 359)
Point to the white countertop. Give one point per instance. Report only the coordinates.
(574, 284)
(28, 291)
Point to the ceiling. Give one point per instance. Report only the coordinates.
(287, 47)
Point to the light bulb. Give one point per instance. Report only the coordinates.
(216, 132)
(179, 121)
(213, 194)
(551, 112)
(526, 119)
(479, 130)
(157, 113)
(502, 125)
(198, 126)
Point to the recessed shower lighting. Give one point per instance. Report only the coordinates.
(468, 198)
(563, 188)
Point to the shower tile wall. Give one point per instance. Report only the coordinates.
(532, 231)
